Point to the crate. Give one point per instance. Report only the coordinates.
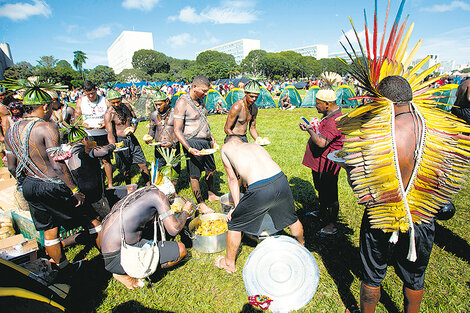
(24, 224)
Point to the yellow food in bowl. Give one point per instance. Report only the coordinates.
(212, 228)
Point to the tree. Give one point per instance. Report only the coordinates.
(65, 73)
(19, 70)
(251, 64)
(48, 62)
(274, 64)
(233, 72)
(215, 65)
(101, 75)
(466, 70)
(150, 61)
(131, 75)
(159, 77)
(294, 63)
(79, 58)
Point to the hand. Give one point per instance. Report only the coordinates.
(194, 152)
(80, 198)
(166, 144)
(189, 208)
(101, 125)
(229, 215)
(303, 126)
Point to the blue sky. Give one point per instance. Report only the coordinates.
(36, 28)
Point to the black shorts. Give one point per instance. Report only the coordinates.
(201, 163)
(133, 155)
(101, 141)
(242, 137)
(168, 253)
(271, 196)
(377, 253)
(52, 205)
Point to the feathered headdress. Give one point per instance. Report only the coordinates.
(159, 95)
(442, 154)
(35, 90)
(75, 132)
(327, 93)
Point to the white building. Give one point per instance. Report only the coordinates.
(316, 51)
(6, 60)
(122, 49)
(433, 60)
(239, 49)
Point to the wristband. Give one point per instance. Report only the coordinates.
(75, 190)
(189, 150)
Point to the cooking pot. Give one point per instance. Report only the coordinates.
(226, 202)
(207, 244)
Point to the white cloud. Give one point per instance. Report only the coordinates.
(457, 38)
(181, 40)
(70, 40)
(99, 32)
(448, 7)
(143, 5)
(229, 12)
(22, 11)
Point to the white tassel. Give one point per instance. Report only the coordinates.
(394, 237)
(412, 249)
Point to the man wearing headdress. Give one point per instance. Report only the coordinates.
(194, 133)
(92, 108)
(121, 123)
(161, 128)
(324, 140)
(242, 114)
(53, 197)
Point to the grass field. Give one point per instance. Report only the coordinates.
(197, 286)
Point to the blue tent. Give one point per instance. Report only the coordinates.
(213, 96)
(448, 93)
(343, 95)
(233, 96)
(310, 98)
(265, 99)
(175, 97)
(294, 95)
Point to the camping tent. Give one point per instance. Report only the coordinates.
(265, 99)
(310, 97)
(175, 97)
(449, 92)
(343, 93)
(233, 96)
(211, 99)
(300, 85)
(20, 292)
(294, 95)
(143, 107)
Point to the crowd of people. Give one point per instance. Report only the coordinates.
(60, 172)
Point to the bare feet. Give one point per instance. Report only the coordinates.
(213, 196)
(129, 282)
(204, 209)
(221, 263)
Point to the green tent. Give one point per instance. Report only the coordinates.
(343, 95)
(449, 94)
(143, 107)
(213, 96)
(311, 97)
(265, 99)
(233, 96)
(176, 97)
(294, 95)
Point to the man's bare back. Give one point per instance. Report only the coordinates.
(251, 161)
(192, 118)
(43, 136)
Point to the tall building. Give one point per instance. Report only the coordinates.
(433, 60)
(239, 49)
(316, 51)
(122, 49)
(5, 58)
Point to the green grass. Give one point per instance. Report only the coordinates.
(197, 286)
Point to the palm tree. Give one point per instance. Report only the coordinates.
(79, 58)
(232, 72)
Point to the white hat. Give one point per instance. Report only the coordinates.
(326, 95)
